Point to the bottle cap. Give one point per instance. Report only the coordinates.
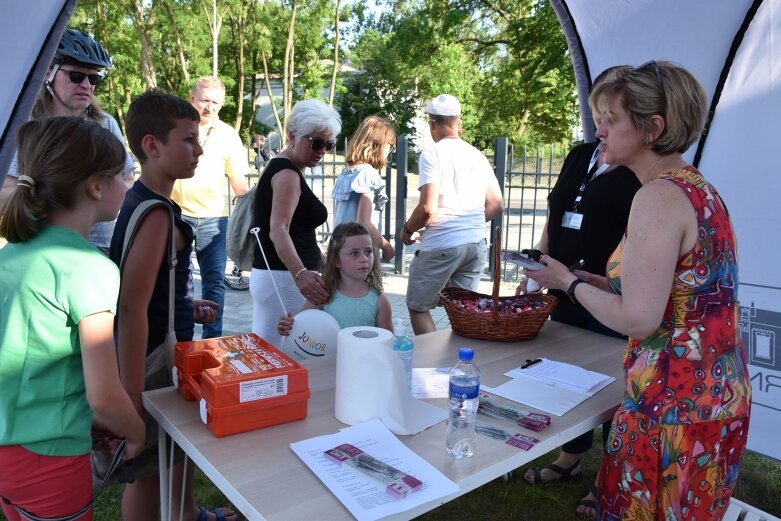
(466, 354)
(399, 329)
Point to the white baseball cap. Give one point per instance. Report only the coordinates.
(443, 105)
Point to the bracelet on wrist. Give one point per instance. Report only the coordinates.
(298, 274)
(571, 290)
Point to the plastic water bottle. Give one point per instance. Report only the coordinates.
(464, 399)
(402, 346)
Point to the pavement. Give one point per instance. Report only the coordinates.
(237, 317)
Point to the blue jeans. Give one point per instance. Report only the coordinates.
(210, 250)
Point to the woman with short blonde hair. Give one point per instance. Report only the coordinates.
(677, 439)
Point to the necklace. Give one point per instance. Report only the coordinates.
(202, 141)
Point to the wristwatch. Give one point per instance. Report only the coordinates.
(571, 290)
(405, 229)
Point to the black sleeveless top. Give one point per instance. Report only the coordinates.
(157, 312)
(307, 216)
(605, 206)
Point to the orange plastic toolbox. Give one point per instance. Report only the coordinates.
(242, 383)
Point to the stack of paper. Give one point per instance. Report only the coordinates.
(561, 374)
(551, 386)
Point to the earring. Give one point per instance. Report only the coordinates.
(647, 141)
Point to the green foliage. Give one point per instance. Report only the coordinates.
(380, 90)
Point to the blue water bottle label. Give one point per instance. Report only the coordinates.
(464, 393)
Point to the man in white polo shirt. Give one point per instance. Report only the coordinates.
(203, 197)
(459, 193)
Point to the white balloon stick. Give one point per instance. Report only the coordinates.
(254, 231)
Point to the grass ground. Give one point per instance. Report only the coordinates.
(758, 485)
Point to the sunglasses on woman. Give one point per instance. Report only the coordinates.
(320, 143)
(77, 77)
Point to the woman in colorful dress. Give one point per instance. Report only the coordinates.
(677, 440)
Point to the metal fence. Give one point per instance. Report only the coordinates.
(526, 176)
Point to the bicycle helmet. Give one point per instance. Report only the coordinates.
(78, 48)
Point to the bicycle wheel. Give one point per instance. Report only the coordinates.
(236, 279)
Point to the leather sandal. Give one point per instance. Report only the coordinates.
(588, 504)
(564, 474)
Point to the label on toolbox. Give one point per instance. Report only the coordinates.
(263, 388)
(254, 358)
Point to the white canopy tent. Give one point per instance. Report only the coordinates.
(730, 46)
(29, 33)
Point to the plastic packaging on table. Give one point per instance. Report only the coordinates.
(464, 391)
(399, 484)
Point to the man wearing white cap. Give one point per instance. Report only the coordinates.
(459, 193)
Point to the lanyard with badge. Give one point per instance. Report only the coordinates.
(574, 219)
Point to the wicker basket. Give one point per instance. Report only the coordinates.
(494, 326)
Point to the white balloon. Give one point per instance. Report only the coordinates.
(313, 335)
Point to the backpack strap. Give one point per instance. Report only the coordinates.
(132, 227)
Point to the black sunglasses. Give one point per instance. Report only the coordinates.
(77, 77)
(320, 143)
(652, 63)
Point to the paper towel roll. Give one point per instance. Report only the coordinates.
(370, 382)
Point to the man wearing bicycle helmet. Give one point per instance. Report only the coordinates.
(69, 90)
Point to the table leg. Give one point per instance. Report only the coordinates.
(162, 461)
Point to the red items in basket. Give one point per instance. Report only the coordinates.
(507, 306)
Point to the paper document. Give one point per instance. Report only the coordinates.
(551, 386)
(430, 382)
(365, 497)
(567, 375)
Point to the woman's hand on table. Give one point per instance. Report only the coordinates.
(312, 287)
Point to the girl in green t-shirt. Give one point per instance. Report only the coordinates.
(58, 294)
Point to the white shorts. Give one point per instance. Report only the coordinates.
(266, 307)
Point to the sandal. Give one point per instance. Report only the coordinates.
(219, 513)
(564, 474)
(585, 504)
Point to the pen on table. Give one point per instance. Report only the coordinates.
(577, 265)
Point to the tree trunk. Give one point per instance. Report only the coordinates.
(240, 25)
(287, 74)
(280, 128)
(143, 25)
(113, 87)
(178, 43)
(336, 55)
(215, 26)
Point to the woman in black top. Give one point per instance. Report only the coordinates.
(288, 214)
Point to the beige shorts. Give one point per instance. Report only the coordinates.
(430, 271)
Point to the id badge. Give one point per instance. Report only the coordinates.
(572, 220)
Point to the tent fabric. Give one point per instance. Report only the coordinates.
(30, 34)
(731, 48)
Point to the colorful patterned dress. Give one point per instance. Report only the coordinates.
(677, 440)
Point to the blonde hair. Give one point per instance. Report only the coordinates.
(331, 273)
(367, 145)
(59, 155)
(207, 82)
(657, 88)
